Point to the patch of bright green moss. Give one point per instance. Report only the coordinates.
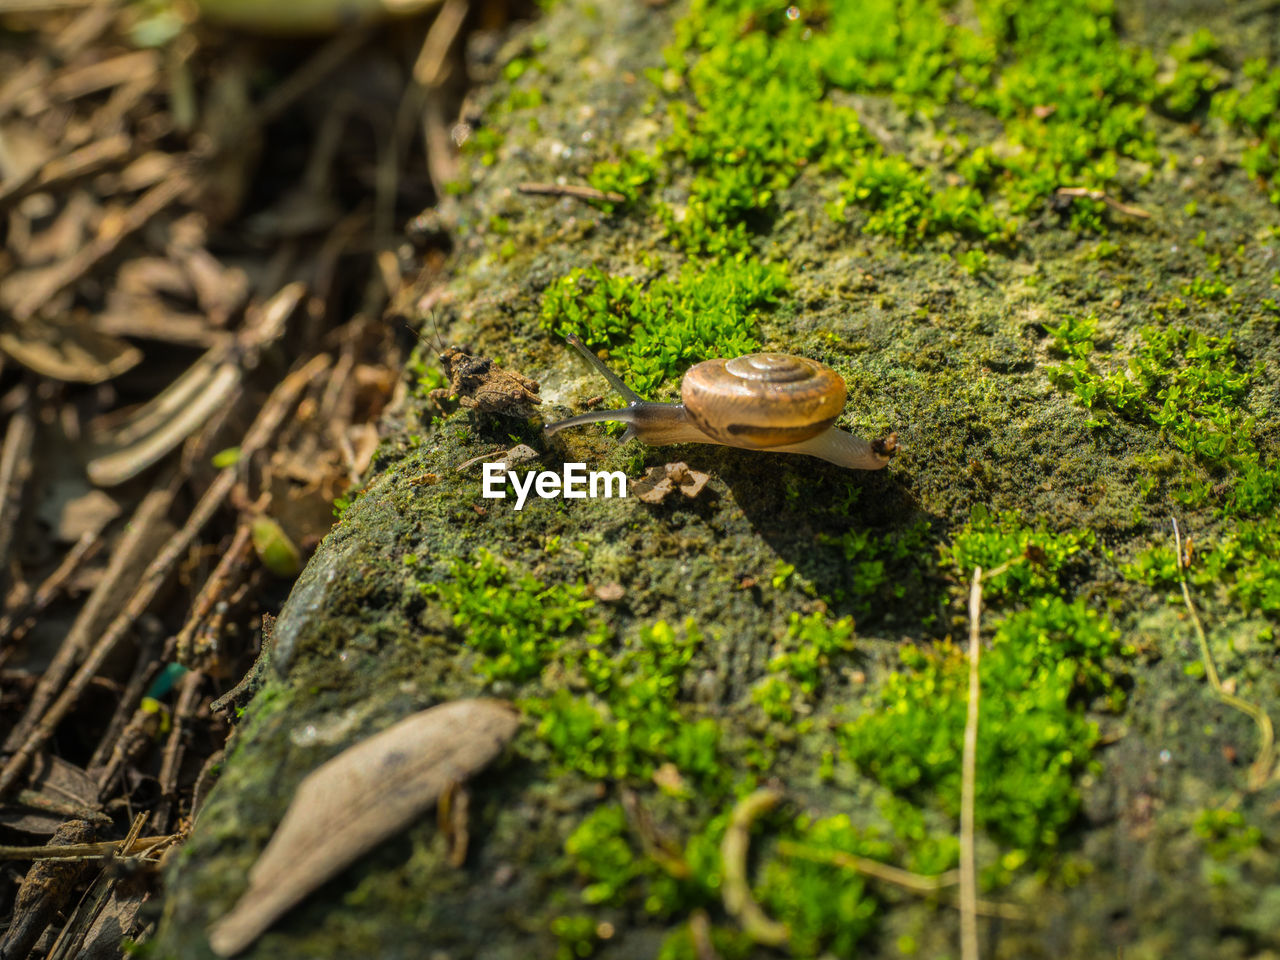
(1186, 385)
(1048, 657)
(754, 105)
(805, 657)
(1225, 833)
(1190, 389)
(654, 331)
(828, 909)
(1254, 106)
(631, 721)
(1196, 76)
(516, 623)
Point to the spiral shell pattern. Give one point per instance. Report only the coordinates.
(762, 400)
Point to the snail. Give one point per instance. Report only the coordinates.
(761, 401)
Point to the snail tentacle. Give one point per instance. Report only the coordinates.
(615, 381)
(654, 423)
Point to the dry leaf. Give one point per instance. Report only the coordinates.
(74, 353)
(165, 421)
(359, 798)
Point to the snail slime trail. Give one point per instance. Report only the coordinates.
(573, 483)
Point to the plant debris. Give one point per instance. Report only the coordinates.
(359, 798)
(658, 482)
(201, 242)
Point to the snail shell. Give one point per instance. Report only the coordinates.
(762, 400)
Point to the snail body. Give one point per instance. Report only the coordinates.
(761, 401)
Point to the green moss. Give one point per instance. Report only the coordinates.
(756, 112)
(882, 570)
(826, 908)
(902, 204)
(632, 721)
(1254, 106)
(1225, 833)
(577, 935)
(1185, 385)
(1048, 657)
(803, 660)
(992, 540)
(483, 143)
(655, 330)
(1196, 76)
(515, 623)
(1189, 389)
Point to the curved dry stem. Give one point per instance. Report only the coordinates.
(1260, 771)
(738, 901)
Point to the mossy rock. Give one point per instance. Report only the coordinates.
(880, 192)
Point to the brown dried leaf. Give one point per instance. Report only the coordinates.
(72, 352)
(56, 791)
(359, 798)
(165, 421)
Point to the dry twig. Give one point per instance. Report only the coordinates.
(1260, 771)
(1110, 201)
(269, 420)
(590, 194)
(968, 777)
(736, 888)
(15, 468)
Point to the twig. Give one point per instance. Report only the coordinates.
(1260, 771)
(145, 670)
(100, 605)
(18, 623)
(183, 712)
(700, 933)
(576, 191)
(736, 888)
(75, 164)
(914, 882)
(432, 68)
(214, 588)
(82, 851)
(1111, 202)
(15, 468)
(968, 777)
(653, 845)
(264, 427)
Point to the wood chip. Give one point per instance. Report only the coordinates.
(359, 798)
(610, 592)
(659, 482)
